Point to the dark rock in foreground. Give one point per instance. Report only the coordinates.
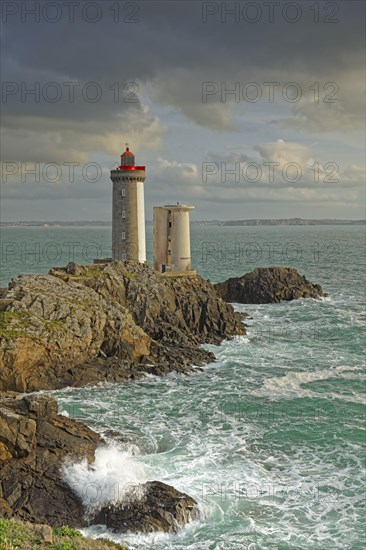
(159, 507)
(266, 285)
(82, 325)
(34, 443)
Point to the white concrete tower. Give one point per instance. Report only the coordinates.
(128, 217)
(172, 244)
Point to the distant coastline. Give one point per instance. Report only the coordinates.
(249, 222)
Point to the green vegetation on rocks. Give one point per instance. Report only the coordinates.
(18, 535)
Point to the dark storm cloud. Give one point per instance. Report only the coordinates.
(172, 36)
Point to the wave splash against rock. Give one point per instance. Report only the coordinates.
(35, 446)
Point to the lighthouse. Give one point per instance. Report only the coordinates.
(128, 210)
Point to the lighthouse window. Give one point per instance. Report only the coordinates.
(123, 235)
(123, 213)
(123, 192)
(170, 224)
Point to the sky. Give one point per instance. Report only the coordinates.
(242, 109)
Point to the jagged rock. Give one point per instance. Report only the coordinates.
(44, 532)
(268, 285)
(84, 324)
(5, 510)
(53, 322)
(73, 269)
(16, 435)
(39, 440)
(153, 506)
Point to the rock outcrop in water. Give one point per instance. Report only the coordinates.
(34, 443)
(81, 325)
(266, 285)
(160, 507)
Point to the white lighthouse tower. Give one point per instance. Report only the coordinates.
(128, 217)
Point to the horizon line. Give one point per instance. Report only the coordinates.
(109, 222)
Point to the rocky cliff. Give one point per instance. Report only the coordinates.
(34, 442)
(85, 324)
(267, 285)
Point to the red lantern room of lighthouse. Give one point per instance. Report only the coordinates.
(128, 217)
(128, 161)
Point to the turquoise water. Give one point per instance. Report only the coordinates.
(270, 438)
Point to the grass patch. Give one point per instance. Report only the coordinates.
(55, 325)
(66, 532)
(15, 535)
(130, 275)
(91, 271)
(13, 324)
(12, 535)
(64, 546)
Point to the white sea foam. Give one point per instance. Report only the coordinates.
(291, 384)
(154, 540)
(113, 477)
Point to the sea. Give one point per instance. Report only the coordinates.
(270, 437)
